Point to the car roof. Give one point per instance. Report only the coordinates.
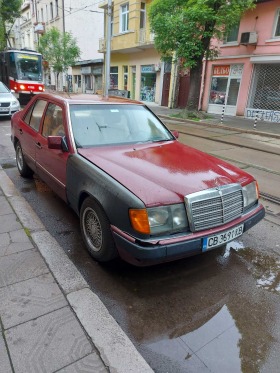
(77, 98)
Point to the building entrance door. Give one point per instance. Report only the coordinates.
(224, 90)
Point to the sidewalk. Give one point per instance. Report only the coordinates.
(50, 321)
(243, 124)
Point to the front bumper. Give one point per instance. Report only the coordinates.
(142, 253)
(9, 112)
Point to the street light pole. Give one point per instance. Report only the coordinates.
(108, 49)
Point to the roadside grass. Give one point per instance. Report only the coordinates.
(192, 115)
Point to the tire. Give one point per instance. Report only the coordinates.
(23, 168)
(96, 231)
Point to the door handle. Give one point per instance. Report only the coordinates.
(20, 131)
(38, 144)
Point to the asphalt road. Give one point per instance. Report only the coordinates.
(191, 314)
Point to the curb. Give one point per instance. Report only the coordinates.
(114, 346)
(217, 125)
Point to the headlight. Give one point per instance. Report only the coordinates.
(158, 220)
(14, 103)
(250, 194)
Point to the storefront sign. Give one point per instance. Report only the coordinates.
(97, 70)
(222, 70)
(86, 70)
(148, 69)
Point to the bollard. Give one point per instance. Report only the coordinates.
(255, 122)
(223, 112)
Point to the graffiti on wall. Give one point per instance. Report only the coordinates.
(267, 115)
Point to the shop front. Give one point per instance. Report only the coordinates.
(264, 97)
(148, 83)
(224, 89)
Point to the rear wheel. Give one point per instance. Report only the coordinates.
(96, 231)
(22, 166)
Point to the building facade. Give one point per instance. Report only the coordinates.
(83, 20)
(245, 79)
(135, 65)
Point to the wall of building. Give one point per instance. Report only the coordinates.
(266, 51)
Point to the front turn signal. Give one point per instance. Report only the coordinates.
(139, 220)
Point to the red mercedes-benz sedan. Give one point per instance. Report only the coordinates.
(138, 191)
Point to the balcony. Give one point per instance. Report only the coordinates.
(144, 37)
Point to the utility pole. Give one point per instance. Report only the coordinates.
(108, 49)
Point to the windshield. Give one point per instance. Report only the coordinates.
(3, 88)
(28, 66)
(95, 124)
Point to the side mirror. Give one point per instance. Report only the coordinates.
(54, 142)
(175, 134)
(58, 142)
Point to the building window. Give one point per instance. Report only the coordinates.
(42, 15)
(78, 80)
(277, 25)
(56, 8)
(232, 34)
(124, 10)
(51, 10)
(125, 77)
(47, 17)
(143, 15)
(114, 77)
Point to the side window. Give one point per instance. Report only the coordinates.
(35, 113)
(53, 121)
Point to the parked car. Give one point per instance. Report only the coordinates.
(8, 102)
(139, 192)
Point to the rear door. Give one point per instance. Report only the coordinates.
(28, 130)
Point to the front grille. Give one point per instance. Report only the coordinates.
(4, 104)
(214, 207)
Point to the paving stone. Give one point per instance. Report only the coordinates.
(21, 266)
(5, 207)
(14, 242)
(89, 364)
(48, 343)
(29, 299)
(5, 365)
(9, 223)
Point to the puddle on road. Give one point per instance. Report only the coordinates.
(226, 321)
(264, 268)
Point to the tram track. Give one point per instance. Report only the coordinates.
(219, 139)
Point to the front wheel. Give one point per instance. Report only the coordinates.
(96, 231)
(22, 166)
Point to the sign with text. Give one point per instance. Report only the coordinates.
(221, 70)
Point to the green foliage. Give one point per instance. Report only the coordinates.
(9, 11)
(60, 50)
(187, 26)
(192, 115)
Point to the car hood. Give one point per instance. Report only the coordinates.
(6, 97)
(163, 173)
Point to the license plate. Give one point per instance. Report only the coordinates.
(221, 238)
(4, 109)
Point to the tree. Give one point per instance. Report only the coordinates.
(9, 11)
(60, 50)
(185, 29)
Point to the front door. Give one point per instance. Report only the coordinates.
(51, 163)
(224, 91)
